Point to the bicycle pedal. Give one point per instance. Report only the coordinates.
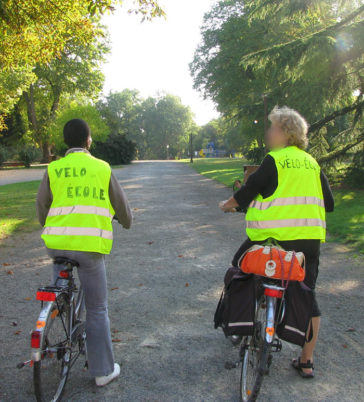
(276, 345)
(231, 365)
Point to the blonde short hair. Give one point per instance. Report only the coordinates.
(292, 124)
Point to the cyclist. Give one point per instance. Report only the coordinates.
(76, 202)
(286, 199)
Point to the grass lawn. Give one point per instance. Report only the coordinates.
(224, 170)
(345, 224)
(17, 208)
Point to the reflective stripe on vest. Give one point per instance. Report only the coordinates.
(278, 202)
(284, 223)
(80, 209)
(77, 231)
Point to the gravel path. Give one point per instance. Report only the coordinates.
(19, 175)
(165, 277)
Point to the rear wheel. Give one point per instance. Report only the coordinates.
(51, 371)
(255, 352)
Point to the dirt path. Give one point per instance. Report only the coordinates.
(167, 274)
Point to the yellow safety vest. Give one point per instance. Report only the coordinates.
(81, 212)
(296, 209)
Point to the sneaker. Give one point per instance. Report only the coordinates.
(104, 380)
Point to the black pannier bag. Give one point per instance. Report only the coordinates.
(236, 309)
(298, 314)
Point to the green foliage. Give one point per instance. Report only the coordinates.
(75, 75)
(36, 32)
(305, 54)
(87, 112)
(116, 150)
(355, 173)
(151, 123)
(165, 121)
(318, 144)
(121, 111)
(29, 154)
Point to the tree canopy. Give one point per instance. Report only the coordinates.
(305, 54)
(37, 32)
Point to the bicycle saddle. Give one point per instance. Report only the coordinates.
(65, 261)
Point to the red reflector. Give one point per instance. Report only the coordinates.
(46, 296)
(35, 339)
(64, 274)
(273, 293)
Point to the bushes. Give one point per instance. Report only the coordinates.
(355, 173)
(29, 154)
(117, 150)
(3, 154)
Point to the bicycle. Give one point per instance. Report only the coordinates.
(255, 351)
(59, 337)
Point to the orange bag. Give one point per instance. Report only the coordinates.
(273, 262)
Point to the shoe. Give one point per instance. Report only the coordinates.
(236, 339)
(105, 379)
(296, 363)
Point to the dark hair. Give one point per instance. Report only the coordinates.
(76, 132)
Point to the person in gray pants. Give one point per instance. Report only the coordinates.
(91, 270)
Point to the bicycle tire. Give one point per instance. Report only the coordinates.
(48, 385)
(250, 395)
(254, 355)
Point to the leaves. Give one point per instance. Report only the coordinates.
(302, 54)
(37, 32)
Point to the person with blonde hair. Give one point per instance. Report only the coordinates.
(286, 199)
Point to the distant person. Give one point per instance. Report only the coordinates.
(76, 202)
(289, 187)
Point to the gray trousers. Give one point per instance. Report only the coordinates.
(92, 275)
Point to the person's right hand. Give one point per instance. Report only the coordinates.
(224, 208)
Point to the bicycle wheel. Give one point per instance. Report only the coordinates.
(255, 353)
(51, 371)
(78, 335)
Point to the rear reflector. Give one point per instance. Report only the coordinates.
(35, 339)
(64, 274)
(46, 296)
(273, 293)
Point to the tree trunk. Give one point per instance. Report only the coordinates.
(46, 149)
(57, 95)
(32, 117)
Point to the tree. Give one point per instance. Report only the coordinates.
(35, 32)
(86, 111)
(121, 111)
(76, 73)
(166, 121)
(306, 54)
